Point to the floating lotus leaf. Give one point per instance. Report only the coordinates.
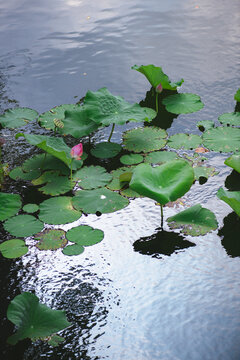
(131, 159)
(92, 177)
(73, 250)
(183, 103)
(156, 76)
(234, 162)
(23, 225)
(99, 200)
(184, 141)
(223, 139)
(194, 221)
(205, 125)
(230, 119)
(17, 117)
(106, 150)
(30, 208)
(14, 248)
(58, 210)
(237, 95)
(50, 239)
(78, 123)
(55, 183)
(105, 108)
(55, 340)
(144, 139)
(85, 235)
(160, 157)
(204, 171)
(164, 183)
(130, 193)
(116, 184)
(10, 204)
(45, 162)
(232, 198)
(46, 119)
(18, 173)
(33, 320)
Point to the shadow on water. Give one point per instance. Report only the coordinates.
(230, 234)
(232, 182)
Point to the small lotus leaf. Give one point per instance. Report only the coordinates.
(194, 221)
(237, 95)
(106, 150)
(204, 171)
(234, 162)
(116, 184)
(164, 183)
(50, 239)
(33, 320)
(183, 103)
(184, 141)
(78, 124)
(232, 198)
(45, 162)
(144, 139)
(92, 177)
(205, 125)
(99, 200)
(55, 340)
(225, 139)
(14, 248)
(58, 210)
(18, 173)
(30, 208)
(55, 183)
(85, 235)
(23, 225)
(73, 250)
(230, 119)
(46, 119)
(10, 204)
(160, 157)
(17, 117)
(131, 159)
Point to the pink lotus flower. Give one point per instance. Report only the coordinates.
(159, 88)
(77, 151)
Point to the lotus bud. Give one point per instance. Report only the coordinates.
(77, 151)
(159, 88)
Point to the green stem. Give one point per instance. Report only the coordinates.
(113, 126)
(161, 215)
(157, 102)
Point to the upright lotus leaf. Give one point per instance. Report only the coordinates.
(23, 225)
(30, 208)
(225, 139)
(183, 103)
(18, 173)
(204, 172)
(50, 239)
(47, 119)
(184, 141)
(78, 123)
(105, 109)
(33, 320)
(85, 235)
(131, 159)
(99, 200)
(17, 117)
(55, 183)
(194, 221)
(160, 157)
(58, 210)
(230, 119)
(144, 139)
(13, 248)
(164, 183)
(232, 198)
(204, 125)
(45, 162)
(234, 162)
(92, 177)
(237, 95)
(10, 204)
(106, 150)
(156, 76)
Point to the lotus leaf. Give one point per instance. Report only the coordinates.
(73, 250)
(116, 184)
(50, 239)
(184, 141)
(17, 117)
(55, 340)
(23, 225)
(131, 159)
(237, 95)
(230, 119)
(232, 198)
(106, 150)
(10, 204)
(13, 248)
(205, 125)
(144, 139)
(78, 123)
(45, 162)
(183, 103)
(46, 119)
(85, 235)
(18, 173)
(92, 177)
(164, 183)
(234, 162)
(30, 208)
(33, 320)
(130, 193)
(204, 171)
(55, 183)
(160, 157)
(99, 200)
(223, 139)
(194, 221)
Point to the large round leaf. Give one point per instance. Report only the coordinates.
(194, 221)
(78, 124)
(46, 119)
(85, 235)
(14, 248)
(184, 141)
(99, 200)
(144, 139)
(58, 210)
(204, 125)
(230, 119)
(50, 239)
(9, 205)
(106, 150)
(232, 198)
(92, 177)
(131, 159)
(234, 162)
(30, 208)
(55, 183)
(164, 183)
(223, 139)
(17, 117)
(23, 225)
(45, 162)
(183, 103)
(33, 320)
(160, 157)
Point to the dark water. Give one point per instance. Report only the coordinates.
(124, 303)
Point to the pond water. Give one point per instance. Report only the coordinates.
(124, 301)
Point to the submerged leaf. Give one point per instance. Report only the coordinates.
(51, 239)
(13, 248)
(183, 103)
(17, 117)
(144, 139)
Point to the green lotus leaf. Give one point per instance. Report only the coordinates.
(30, 208)
(74, 249)
(144, 139)
(205, 125)
(50, 239)
(204, 171)
(55, 340)
(99, 200)
(85, 235)
(55, 183)
(23, 225)
(194, 221)
(17, 117)
(45, 162)
(13, 248)
(105, 108)
(184, 141)
(10, 204)
(18, 173)
(131, 159)
(156, 76)
(234, 162)
(92, 177)
(33, 320)
(237, 95)
(106, 150)
(160, 157)
(225, 139)
(58, 210)
(78, 123)
(232, 198)
(116, 184)
(130, 193)
(183, 103)
(46, 119)
(230, 119)
(164, 183)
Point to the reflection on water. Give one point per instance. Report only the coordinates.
(230, 234)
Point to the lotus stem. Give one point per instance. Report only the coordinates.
(113, 126)
(161, 216)
(157, 102)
